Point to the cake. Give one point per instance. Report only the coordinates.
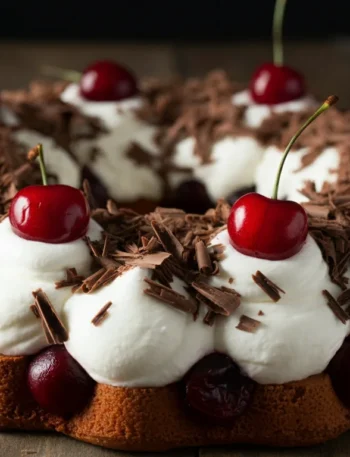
(151, 332)
(157, 144)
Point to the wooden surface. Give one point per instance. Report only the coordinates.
(327, 69)
(48, 445)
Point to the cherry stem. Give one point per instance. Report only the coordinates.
(331, 100)
(277, 31)
(57, 72)
(42, 164)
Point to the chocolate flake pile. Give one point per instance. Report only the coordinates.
(15, 171)
(332, 129)
(40, 109)
(168, 242)
(329, 224)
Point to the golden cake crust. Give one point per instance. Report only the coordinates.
(155, 419)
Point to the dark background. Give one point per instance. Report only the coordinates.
(206, 20)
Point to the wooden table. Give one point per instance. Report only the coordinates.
(327, 68)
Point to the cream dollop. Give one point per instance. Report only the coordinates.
(293, 178)
(232, 165)
(299, 334)
(125, 179)
(142, 342)
(28, 266)
(256, 113)
(110, 113)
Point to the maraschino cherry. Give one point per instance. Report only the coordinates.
(50, 214)
(102, 81)
(268, 228)
(58, 383)
(274, 83)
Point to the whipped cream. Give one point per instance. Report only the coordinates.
(299, 334)
(257, 113)
(111, 114)
(322, 169)
(232, 166)
(57, 160)
(142, 342)
(125, 179)
(28, 266)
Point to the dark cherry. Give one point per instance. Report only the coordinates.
(51, 214)
(232, 198)
(267, 228)
(58, 383)
(339, 372)
(191, 196)
(107, 81)
(272, 84)
(217, 390)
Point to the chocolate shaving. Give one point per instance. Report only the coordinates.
(170, 296)
(89, 195)
(53, 327)
(230, 280)
(203, 258)
(102, 314)
(35, 311)
(248, 324)
(270, 288)
(225, 300)
(261, 313)
(209, 318)
(168, 240)
(72, 279)
(335, 307)
(344, 297)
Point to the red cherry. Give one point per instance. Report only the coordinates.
(51, 214)
(267, 228)
(107, 81)
(217, 390)
(272, 84)
(58, 383)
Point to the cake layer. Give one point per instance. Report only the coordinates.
(154, 419)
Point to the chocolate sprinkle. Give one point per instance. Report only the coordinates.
(270, 288)
(102, 314)
(53, 327)
(248, 324)
(335, 307)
